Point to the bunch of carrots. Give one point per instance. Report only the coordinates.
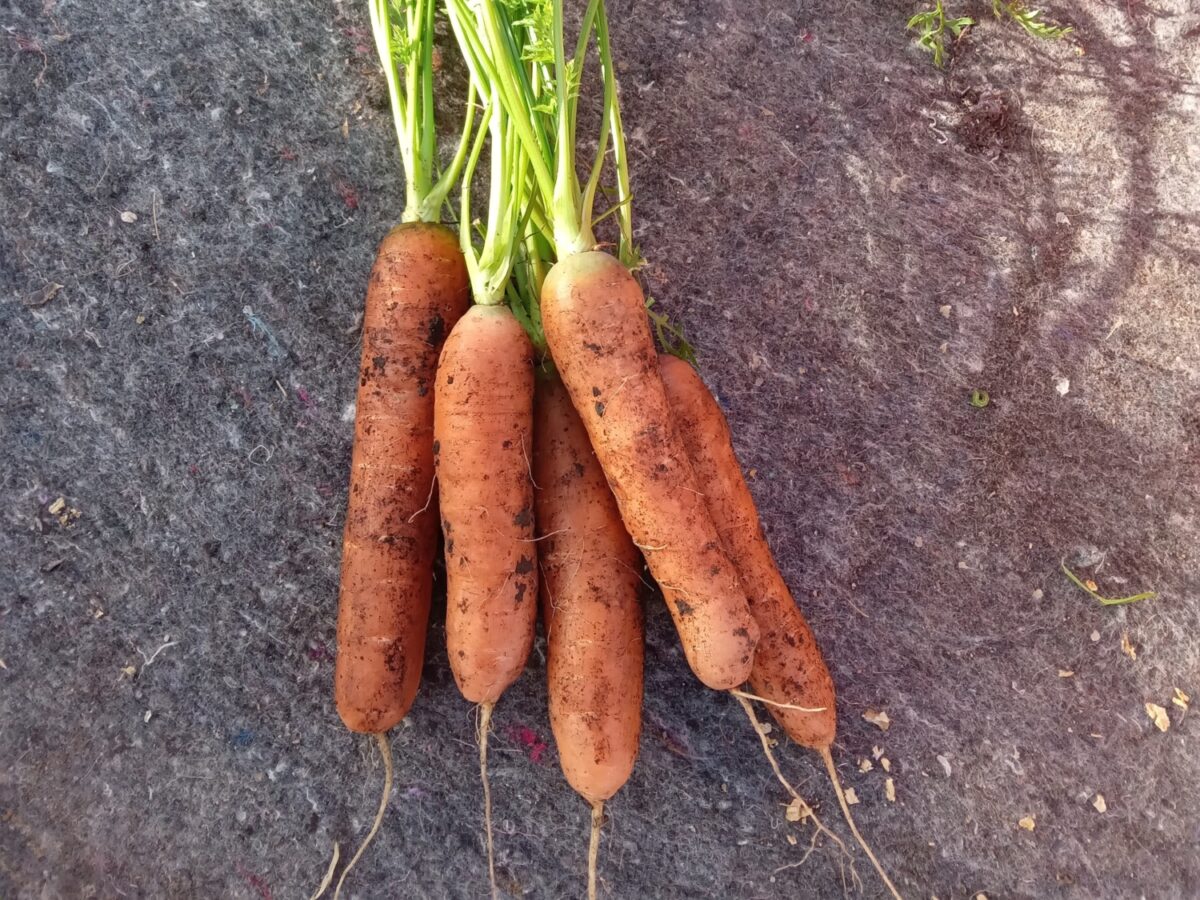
(510, 382)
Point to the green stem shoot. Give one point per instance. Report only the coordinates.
(403, 31)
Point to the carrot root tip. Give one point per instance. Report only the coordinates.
(328, 879)
(386, 751)
(806, 810)
(594, 847)
(841, 796)
(485, 721)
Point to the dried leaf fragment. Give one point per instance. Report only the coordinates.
(1065, 673)
(1181, 699)
(1158, 716)
(797, 811)
(129, 217)
(1098, 802)
(791, 839)
(851, 797)
(889, 790)
(1127, 646)
(877, 752)
(865, 765)
(886, 763)
(878, 718)
(1028, 823)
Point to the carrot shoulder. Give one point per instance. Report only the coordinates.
(417, 291)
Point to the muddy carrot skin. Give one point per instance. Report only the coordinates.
(417, 291)
(788, 665)
(590, 584)
(483, 429)
(594, 316)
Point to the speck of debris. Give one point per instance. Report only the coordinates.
(865, 765)
(1158, 715)
(945, 763)
(878, 718)
(889, 790)
(851, 797)
(1038, 594)
(1127, 646)
(1028, 823)
(1099, 804)
(797, 811)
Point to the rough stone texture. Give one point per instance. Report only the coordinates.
(854, 240)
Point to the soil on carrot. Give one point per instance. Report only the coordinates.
(855, 242)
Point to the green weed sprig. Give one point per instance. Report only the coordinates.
(932, 25)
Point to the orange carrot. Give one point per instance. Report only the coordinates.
(593, 618)
(788, 666)
(483, 431)
(483, 442)
(418, 290)
(595, 321)
(789, 674)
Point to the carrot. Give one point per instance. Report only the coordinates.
(590, 607)
(788, 665)
(483, 437)
(418, 290)
(789, 674)
(483, 432)
(595, 320)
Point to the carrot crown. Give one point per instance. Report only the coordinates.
(525, 44)
(403, 31)
(510, 204)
